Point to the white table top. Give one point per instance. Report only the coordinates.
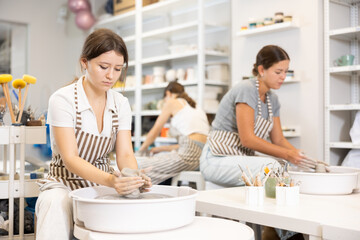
(201, 228)
(309, 216)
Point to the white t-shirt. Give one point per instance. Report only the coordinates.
(62, 111)
(189, 120)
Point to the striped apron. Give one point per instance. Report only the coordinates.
(224, 143)
(169, 164)
(93, 148)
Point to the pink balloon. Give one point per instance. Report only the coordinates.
(84, 20)
(79, 5)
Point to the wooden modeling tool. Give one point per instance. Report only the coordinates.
(29, 80)
(4, 79)
(19, 84)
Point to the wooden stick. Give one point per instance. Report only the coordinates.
(8, 101)
(19, 105)
(23, 102)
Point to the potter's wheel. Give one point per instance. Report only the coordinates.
(142, 196)
(175, 209)
(201, 228)
(340, 180)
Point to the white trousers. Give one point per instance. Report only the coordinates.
(225, 171)
(54, 213)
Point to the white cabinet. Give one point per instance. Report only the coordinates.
(341, 86)
(14, 139)
(173, 34)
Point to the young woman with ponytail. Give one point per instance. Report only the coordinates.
(248, 122)
(188, 123)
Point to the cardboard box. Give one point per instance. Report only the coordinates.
(123, 6)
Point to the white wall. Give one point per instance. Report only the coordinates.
(53, 47)
(302, 103)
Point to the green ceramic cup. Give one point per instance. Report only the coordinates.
(270, 187)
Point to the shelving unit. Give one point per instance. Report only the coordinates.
(341, 86)
(15, 138)
(284, 26)
(149, 31)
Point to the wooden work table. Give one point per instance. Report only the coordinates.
(319, 216)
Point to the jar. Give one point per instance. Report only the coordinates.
(279, 17)
(243, 28)
(268, 21)
(270, 187)
(287, 18)
(290, 73)
(259, 24)
(252, 23)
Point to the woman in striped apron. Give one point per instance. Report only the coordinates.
(248, 115)
(188, 124)
(87, 120)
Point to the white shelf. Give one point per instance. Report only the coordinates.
(112, 22)
(343, 107)
(181, 29)
(131, 63)
(165, 84)
(346, 145)
(31, 188)
(346, 34)
(291, 80)
(345, 69)
(154, 10)
(345, 2)
(29, 236)
(175, 6)
(33, 135)
(129, 39)
(210, 82)
(177, 30)
(188, 54)
(292, 131)
(277, 27)
(184, 83)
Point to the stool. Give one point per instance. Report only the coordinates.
(190, 176)
(200, 228)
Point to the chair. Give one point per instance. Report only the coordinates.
(190, 176)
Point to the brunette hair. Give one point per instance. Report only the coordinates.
(178, 89)
(101, 41)
(268, 56)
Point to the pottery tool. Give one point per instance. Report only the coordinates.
(268, 172)
(250, 174)
(4, 79)
(29, 80)
(245, 177)
(19, 84)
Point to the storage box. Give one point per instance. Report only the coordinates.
(218, 72)
(123, 6)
